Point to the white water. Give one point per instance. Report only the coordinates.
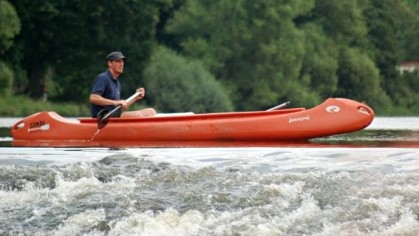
(213, 191)
(256, 159)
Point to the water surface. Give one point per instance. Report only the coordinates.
(364, 183)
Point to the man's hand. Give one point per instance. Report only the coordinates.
(123, 103)
(141, 94)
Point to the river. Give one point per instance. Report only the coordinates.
(364, 183)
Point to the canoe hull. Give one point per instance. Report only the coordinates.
(334, 116)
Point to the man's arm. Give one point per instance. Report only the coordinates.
(98, 100)
(141, 94)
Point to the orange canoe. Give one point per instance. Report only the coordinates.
(333, 116)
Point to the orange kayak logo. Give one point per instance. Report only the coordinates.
(36, 124)
(332, 109)
(299, 119)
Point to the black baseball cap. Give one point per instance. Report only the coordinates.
(114, 56)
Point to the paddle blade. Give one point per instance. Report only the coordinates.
(102, 120)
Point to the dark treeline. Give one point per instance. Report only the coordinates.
(203, 56)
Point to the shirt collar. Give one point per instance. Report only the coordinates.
(110, 75)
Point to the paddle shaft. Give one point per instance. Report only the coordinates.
(109, 114)
(279, 106)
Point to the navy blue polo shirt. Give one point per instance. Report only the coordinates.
(108, 87)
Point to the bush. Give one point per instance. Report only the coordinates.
(175, 84)
(20, 106)
(404, 91)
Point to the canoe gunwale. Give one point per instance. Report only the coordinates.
(221, 115)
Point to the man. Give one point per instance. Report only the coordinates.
(107, 89)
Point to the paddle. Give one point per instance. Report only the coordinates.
(279, 106)
(104, 115)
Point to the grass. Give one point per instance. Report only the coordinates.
(19, 106)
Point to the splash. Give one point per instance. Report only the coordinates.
(224, 191)
(94, 135)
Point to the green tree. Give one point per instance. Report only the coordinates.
(178, 84)
(9, 28)
(394, 39)
(412, 4)
(385, 33)
(320, 64)
(410, 28)
(252, 47)
(405, 93)
(66, 41)
(343, 21)
(9, 25)
(262, 52)
(268, 51)
(6, 79)
(359, 78)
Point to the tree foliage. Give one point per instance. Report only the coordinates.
(9, 28)
(253, 48)
(179, 84)
(66, 41)
(9, 25)
(6, 79)
(405, 91)
(259, 52)
(302, 51)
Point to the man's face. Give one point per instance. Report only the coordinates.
(116, 66)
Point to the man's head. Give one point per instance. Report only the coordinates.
(116, 63)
